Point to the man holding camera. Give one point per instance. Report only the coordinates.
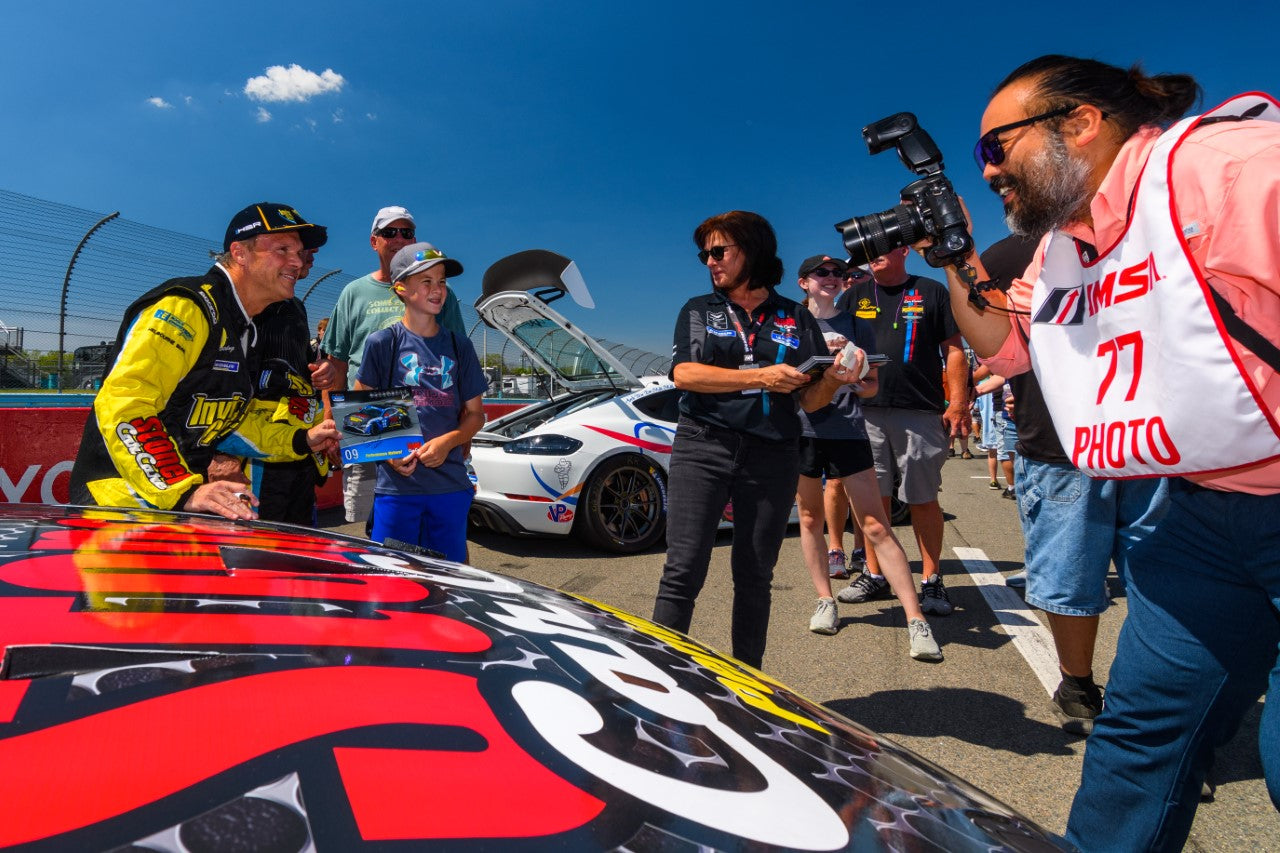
(1154, 298)
(912, 418)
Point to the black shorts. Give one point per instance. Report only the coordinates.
(836, 458)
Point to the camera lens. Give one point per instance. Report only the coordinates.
(868, 237)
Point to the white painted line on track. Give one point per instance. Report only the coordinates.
(1030, 637)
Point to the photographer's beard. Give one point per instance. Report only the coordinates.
(1051, 188)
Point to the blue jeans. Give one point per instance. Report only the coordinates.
(1198, 648)
(438, 522)
(708, 468)
(1075, 526)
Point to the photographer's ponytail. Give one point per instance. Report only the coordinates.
(1130, 99)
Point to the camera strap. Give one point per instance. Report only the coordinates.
(1245, 334)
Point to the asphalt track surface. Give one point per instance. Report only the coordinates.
(982, 713)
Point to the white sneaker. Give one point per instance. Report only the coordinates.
(825, 618)
(923, 646)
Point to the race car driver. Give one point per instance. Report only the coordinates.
(182, 380)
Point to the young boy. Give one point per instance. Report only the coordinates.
(424, 497)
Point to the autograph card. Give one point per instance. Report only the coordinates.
(376, 425)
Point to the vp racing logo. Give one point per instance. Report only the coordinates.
(153, 451)
(217, 417)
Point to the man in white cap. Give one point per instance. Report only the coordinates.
(366, 305)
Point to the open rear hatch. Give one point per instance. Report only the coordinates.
(514, 300)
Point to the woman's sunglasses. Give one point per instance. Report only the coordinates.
(716, 252)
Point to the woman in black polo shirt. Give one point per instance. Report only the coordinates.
(736, 351)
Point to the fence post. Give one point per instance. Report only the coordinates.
(66, 284)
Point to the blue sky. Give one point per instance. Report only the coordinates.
(603, 131)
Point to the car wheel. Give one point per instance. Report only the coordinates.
(899, 512)
(624, 505)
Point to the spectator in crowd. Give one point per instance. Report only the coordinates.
(317, 342)
(424, 497)
(182, 382)
(1008, 441)
(287, 490)
(736, 354)
(366, 305)
(990, 406)
(911, 419)
(1082, 150)
(833, 443)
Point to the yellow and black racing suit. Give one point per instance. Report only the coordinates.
(182, 381)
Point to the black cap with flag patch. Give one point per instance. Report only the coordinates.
(268, 218)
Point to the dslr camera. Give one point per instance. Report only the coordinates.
(930, 206)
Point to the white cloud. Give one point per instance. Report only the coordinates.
(263, 115)
(371, 116)
(187, 99)
(160, 103)
(338, 117)
(294, 83)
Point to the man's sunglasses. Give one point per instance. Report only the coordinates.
(390, 233)
(716, 252)
(989, 150)
(825, 272)
(857, 274)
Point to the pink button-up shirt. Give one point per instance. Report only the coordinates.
(1226, 183)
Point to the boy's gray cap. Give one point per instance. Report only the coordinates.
(417, 257)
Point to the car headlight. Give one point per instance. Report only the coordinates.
(543, 445)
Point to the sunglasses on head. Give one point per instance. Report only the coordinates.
(825, 272)
(716, 252)
(390, 233)
(989, 150)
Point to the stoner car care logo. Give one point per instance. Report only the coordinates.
(153, 451)
(218, 417)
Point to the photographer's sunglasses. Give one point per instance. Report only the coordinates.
(390, 233)
(989, 150)
(716, 252)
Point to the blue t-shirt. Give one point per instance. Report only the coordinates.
(843, 418)
(445, 373)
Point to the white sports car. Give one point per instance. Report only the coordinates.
(590, 461)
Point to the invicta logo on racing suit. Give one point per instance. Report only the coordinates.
(218, 417)
(153, 450)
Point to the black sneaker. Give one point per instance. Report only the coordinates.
(1077, 701)
(934, 599)
(866, 587)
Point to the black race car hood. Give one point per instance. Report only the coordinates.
(181, 683)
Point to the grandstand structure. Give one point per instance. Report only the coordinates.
(63, 291)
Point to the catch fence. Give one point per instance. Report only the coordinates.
(67, 274)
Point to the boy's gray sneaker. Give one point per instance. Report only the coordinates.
(866, 587)
(923, 645)
(934, 599)
(824, 619)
